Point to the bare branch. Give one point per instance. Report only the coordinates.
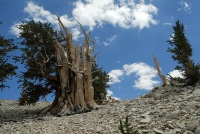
(60, 22)
(159, 71)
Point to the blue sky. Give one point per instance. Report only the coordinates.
(127, 33)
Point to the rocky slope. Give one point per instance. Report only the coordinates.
(165, 110)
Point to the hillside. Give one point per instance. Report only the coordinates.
(165, 110)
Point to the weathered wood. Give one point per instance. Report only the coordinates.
(89, 90)
(75, 93)
(159, 71)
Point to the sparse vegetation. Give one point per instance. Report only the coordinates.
(126, 128)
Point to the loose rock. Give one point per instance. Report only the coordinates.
(165, 110)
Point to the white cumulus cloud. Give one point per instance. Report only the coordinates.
(145, 74)
(115, 76)
(14, 30)
(38, 13)
(92, 13)
(143, 15)
(110, 93)
(176, 74)
(127, 14)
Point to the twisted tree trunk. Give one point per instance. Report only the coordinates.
(75, 93)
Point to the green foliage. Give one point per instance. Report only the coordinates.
(7, 70)
(38, 59)
(100, 79)
(181, 52)
(181, 48)
(192, 75)
(125, 127)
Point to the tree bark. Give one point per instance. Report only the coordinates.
(75, 93)
(159, 71)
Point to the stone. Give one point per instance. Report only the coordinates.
(133, 109)
(99, 129)
(170, 126)
(161, 111)
(147, 119)
(172, 115)
(197, 131)
(197, 113)
(157, 96)
(158, 131)
(180, 125)
(191, 125)
(163, 114)
(178, 131)
(196, 92)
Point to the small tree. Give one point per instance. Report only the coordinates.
(100, 79)
(181, 51)
(126, 128)
(7, 70)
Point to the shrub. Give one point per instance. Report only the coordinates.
(126, 128)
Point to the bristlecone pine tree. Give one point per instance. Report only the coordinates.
(7, 70)
(181, 52)
(53, 63)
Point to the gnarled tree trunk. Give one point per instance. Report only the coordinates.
(75, 94)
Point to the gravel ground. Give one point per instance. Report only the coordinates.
(15, 119)
(165, 110)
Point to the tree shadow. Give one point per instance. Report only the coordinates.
(12, 112)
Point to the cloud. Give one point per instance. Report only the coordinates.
(184, 6)
(14, 30)
(38, 13)
(93, 13)
(76, 33)
(110, 93)
(145, 74)
(105, 43)
(127, 14)
(118, 62)
(110, 40)
(143, 15)
(115, 76)
(171, 37)
(116, 98)
(176, 74)
(167, 24)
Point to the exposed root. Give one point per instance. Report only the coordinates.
(93, 105)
